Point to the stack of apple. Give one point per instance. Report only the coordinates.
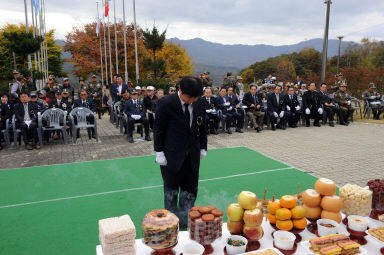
(286, 215)
(245, 217)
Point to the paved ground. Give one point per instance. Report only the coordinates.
(352, 154)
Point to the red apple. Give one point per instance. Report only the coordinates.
(253, 218)
(235, 227)
(247, 200)
(235, 212)
(253, 233)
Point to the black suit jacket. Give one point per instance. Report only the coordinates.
(273, 105)
(211, 104)
(64, 105)
(248, 100)
(115, 90)
(174, 136)
(150, 103)
(19, 112)
(324, 98)
(134, 109)
(220, 103)
(291, 103)
(89, 103)
(6, 111)
(311, 99)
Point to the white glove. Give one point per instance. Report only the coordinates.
(320, 111)
(227, 103)
(288, 108)
(349, 102)
(297, 108)
(307, 111)
(281, 114)
(138, 117)
(275, 113)
(230, 108)
(208, 111)
(373, 97)
(160, 158)
(203, 153)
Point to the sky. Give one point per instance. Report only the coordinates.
(272, 22)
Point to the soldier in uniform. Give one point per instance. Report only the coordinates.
(372, 98)
(343, 99)
(15, 75)
(43, 98)
(68, 87)
(96, 92)
(143, 93)
(339, 80)
(82, 84)
(312, 105)
(18, 87)
(40, 106)
(208, 79)
(66, 96)
(51, 87)
(303, 89)
(229, 81)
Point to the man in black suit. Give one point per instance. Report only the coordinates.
(86, 102)
(180, 141)
(136, 113)
(26, 121)
(224, 104)
(276, 109)
(60, 103)
(6, 112)
(299, 80)
(254, 107)
(238, 113)
(327, 103)
(312, 105)
(118, 88)
(211, 118)
(292, 106)
(149, 102)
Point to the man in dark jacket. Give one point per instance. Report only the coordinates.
(292, 106)
(224, 104)
(254, 107)
(149, 104)
(26, 121)
(6, 112)
(327, 103)
(312, 106)
(86, 102)
(180, 141)
(276, 109)
(211, 118)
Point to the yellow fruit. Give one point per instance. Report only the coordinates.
(272, 207)
(287, 201)
(300, 223)
(283, 214)
(298, 212)
(284, 224)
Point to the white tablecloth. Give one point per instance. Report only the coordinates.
(372, 247)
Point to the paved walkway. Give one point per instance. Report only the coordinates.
(353, 154)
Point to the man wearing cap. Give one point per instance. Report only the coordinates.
(51, 87)
(26, 121)
(149, 102)
(18, 87)
(209, 81)
(292, 105)
(143, 93)
(118, 89)
(30, 84)
(82, 84)
(276, 109)
(43, 97)
(340, 80)
(136, 113)
(15, 75)
(229, 81)
(40, 106)
(344, 100)
(240, 86)
(312, 106)
(302, 89)
(172, 90)
(87, 102)
(60, 103)
(372, 98)
(67, 97)
(96, 92)
(180, 142)
(68, 87)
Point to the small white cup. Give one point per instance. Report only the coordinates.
(357, 223)
(284, 240)
(233, 250)
(193, 249)
(325, 231)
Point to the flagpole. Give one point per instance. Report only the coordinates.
(116, 52)
(34, 34)
(27, 30)
(101, 52)
(105, 48)
(136, 55)
(110, 54)
(38, 52)
(125, 45)
(46, 44)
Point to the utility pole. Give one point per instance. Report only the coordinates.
(325, 40)
(125, 45)
(136, 54)
(27, 30)
(338, 55)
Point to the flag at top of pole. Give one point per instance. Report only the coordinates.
(98, 24)
(36, 4)
(106, 11)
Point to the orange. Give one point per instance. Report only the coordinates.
(298, 212)
(288, 201)
(284, 224)
(300, 223)
(271, 218)
(272, 207)
(283, 214)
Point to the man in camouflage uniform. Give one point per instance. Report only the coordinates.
(339, 80)
(208, 79)
(229, 81)
(372, 98)
(18, 87)
(51, 87)
(343, 99)
(95, 91)
(68, 87)
(124, 99)
(240, 86)
(66, 96)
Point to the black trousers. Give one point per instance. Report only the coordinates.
(180, 189)
(314, 115)
(143, 121)
(283, 120)
(239, 118)
(294, 117)
(228, 119)
(29, 133)
(212, 121)
(151, 119)
(330, 112)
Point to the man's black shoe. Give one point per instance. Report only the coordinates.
(229, 131)
(238, 130)
(148, 138)
(131, 140)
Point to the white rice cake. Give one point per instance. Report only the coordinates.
(114, 229)
(119, 251)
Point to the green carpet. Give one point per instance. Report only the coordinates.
(55, 209)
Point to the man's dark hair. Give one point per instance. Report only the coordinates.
(20, 78)
(4, 94)
(192, 86)
(24, 93)
(290, 87)
(250, 87)
(84, 91)
(208, 88)
(229, 74)
(323, 84)
(224, 89)
(118, 75)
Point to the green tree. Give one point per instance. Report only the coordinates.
(154, 41)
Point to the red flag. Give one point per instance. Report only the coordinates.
(106, 8)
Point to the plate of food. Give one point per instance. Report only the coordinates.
(377, 234)
(347, 246)
(269, 251)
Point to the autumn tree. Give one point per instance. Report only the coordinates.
(285, 71)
